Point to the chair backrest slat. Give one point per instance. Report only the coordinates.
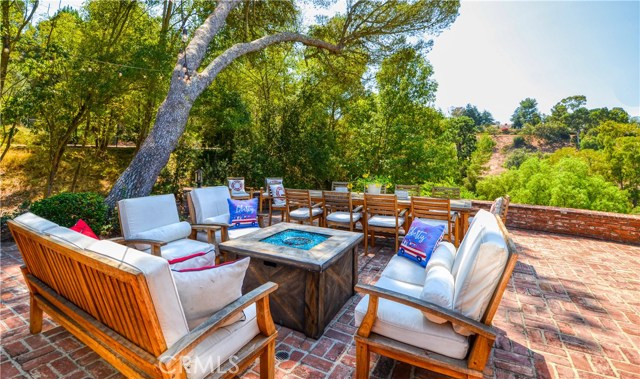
(431, 208)
(298, 198)
(335, 185)
(445, 192)
(337, 201)
(412, 189)
(386, 205)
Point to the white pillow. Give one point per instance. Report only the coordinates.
(237, 186)
(438, 289)
(166, 233)
(195, 260)
(205, 291)
(402, 194)
(443, 255)
(277, 192)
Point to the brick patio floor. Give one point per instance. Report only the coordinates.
(572, 310)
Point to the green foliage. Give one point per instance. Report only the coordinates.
(566, 182)
(526, 113)
(66, 208)
(479, 118)
(478, 162)
(519, 142)
(517, 157)
(552, 132)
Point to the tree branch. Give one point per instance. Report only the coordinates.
(204, 79)
(197, 47)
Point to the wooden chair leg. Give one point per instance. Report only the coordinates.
(35, 316)
(270, 215)
(362, 361)
(267, 361)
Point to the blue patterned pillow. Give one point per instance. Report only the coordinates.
(243, 213)
(421, 241)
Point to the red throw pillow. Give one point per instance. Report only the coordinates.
(84, 228)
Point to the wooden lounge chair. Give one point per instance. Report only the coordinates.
(402, 316)
(123, 304)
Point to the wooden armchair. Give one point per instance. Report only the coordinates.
(382, 214)
(340, 212)
(396, 321)
(123, 304)
(435, 212)
(445, 192)
(301, 209)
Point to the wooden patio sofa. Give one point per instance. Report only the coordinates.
(123, 304)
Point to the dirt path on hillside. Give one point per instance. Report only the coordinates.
(496, 163)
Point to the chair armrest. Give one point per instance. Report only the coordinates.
(357, 209)
(317, 205)
(211, 230)
(403, 212)
(187, 343)
(155, 244)
(424, 306)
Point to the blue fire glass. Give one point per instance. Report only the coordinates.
(296, 238)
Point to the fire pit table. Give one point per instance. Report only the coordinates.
(316, 270)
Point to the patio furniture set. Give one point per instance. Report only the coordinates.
(172, 299)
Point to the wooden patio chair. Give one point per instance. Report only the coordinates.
(382, 215)
(445, 192)
(300, 208)
(340, 212)
(434, 211)
(237, 188)
(395, 319)
(500, 207)
(277, 202)
(411, 189)
(336, 185)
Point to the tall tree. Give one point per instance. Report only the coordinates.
(526, 113)
(365, 24)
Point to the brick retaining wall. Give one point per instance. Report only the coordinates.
(580, 222)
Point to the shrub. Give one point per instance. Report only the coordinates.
(66, 208)
(518, 142)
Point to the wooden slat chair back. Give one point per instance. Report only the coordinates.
(382, 205)
(271, 197)
(445, 192)
(505, 208)
(107, 305)
(339, 202)
(297, 199)
(480, 343)
(433, 209)
(247, 190)
(335, 185)
(412, 189)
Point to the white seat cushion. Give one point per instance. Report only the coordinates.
(385, 221)
(35, 222)
(210, 202)
(161, 286)
(343, 217)
(480, 268)
(431, 222)
(69, 236)
(183, 247)
(406, 324)
(221, 345)
(233, 234)
(404, 270)
(303, 213)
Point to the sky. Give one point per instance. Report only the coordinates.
(498, 53)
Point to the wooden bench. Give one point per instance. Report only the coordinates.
(112, 306)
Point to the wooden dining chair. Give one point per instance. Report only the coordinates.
(434, 212)
(340, 212)
(277, 202)
(410, 189)
(445, 192)
(383, 215)
(237, 188)
(300, 208)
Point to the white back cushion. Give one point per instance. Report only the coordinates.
(161, 286)
(444, 255)
(471, 239)
(145, 213)
(210, 202)
(35, 222)
(69, 236)
(480, 270)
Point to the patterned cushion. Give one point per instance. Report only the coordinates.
(243, 213)
(237, 187)
(277, 191)
(421, 241)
